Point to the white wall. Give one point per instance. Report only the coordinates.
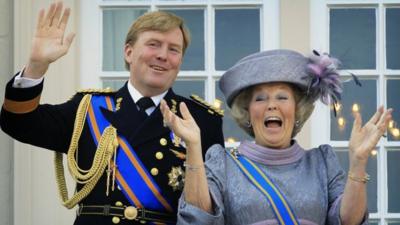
(295, 35)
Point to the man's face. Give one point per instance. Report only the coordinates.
(154, 60)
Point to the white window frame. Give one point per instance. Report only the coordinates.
(91, 74)
(320, 120)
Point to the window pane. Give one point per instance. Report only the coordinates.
(364, 97)
(393, 158)
(353, 38)
(186, 88)
(393, 38)
(113, 84)
(230, 127)
(372, 185)
(237, 34)
(393, 101)
(194, 56)
(116, 23)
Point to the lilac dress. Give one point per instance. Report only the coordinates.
(312, 181)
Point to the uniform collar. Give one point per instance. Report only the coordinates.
(136, 95)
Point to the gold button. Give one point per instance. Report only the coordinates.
(154, 171)
(130, 213)
(116, 220)
(163, 141)
(119, 203)
(159, 155)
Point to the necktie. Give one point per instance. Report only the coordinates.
(144, 103)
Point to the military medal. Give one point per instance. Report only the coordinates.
(176, 178)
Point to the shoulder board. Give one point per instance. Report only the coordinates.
(210, 108)
(96, 91)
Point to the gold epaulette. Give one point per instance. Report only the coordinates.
(210, 108)
(106, 90)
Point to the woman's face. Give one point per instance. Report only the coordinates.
(272, 114)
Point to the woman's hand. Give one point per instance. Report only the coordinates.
(364, 138)
(49, 43)
(186, 127)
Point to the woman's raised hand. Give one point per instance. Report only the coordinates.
(185, 127)
(364, 138)
(49, 42)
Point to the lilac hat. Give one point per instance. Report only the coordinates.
(317, 74)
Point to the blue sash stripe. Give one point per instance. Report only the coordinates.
(283, 213)
(101, 122)
(134, 180)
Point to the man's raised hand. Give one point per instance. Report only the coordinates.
(49, 42)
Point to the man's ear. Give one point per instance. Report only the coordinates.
(128, 53)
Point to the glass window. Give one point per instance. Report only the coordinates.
(393, 38)
(186, 88)
(353, 98)
(114, 84)
(194, 56)
(372, 185)
(393, 101)
(353, 37)
(393, 158)
(237, 34)
(358, 32)
(230, 127)
(116, 23)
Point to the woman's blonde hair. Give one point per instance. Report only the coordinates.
(240, 109)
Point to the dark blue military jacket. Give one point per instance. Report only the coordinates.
(50, 126)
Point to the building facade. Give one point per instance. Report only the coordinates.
(364, 34)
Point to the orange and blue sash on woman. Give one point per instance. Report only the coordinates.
(131, 175)
(281, 208)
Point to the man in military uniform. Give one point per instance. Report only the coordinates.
(128, 166)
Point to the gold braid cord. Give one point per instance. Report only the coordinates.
(106, 148)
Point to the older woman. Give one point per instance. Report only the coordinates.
(274, 180)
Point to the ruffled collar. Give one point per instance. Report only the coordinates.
(269, 156)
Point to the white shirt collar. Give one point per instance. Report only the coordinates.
(136, 95)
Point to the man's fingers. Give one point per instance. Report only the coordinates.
(49, 15)
(64, 19)
(40, 20)
(57, 14)
(68, 40)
